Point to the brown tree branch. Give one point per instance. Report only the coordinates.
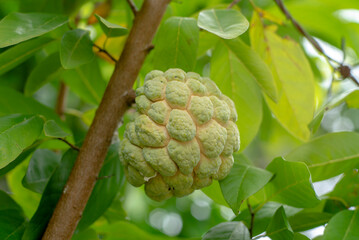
(314, 43)
(70, 144)
(114, 103)
(133, 7)
(234, 2)
(61, 100)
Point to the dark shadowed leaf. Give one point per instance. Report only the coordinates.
(236, 81)
(176, 44)
(328, 155)
(111, 178)
(16, 55)
(76, 49)
(298, 236)
(17, 132)
(50, 197)
(42, 164)
(87, 82)
(291, 184)
(243, 181)
(225, 23)
(111, 29)
(12, 219)
(343, 226)
(47, 70)
(19, 27)
(228, 231)
(279, 228)
(51, 129)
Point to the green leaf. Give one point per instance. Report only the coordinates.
(51, 129)
(279, 228)
(113, 179)
(19, 27)
(12, 219)
(291, 184)
(243, 181)
(236, 81)
(303, 221)
(347, 189)
(76, 49)
(16, 55)
(225, 23)
(264, 216)
(228, 230)
(88, 234)
(42, 164)
(329, 155)
(298, 236)
(214, 192)
(256, 67)
(111, 29)
(12, 102)
(27, 152)
(47, 70)
(87, 82)
(176, 44)
(50, 197)
(293, 75)
(343, 226)
(17, 132)
(351, 97)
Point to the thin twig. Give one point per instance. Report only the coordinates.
(312, 41)
(252, 219)
(61, 100)
(105, 51)
(234, 2)
(70, 144)
(133, 7)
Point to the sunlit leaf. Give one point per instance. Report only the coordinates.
(176, 44)
(236, 81)
(279, 228)
(19, 27)
(111, 29)
(243, 181)
(343, 226)
(16, 55)
(293, 75)
(42, 164)
(214, 192)
(47, 70)
(76, 49)
(225, 23)
(17, 132)
(308, 220)
(328, 155)
(291, 184)
(51, 129)
(227, 231)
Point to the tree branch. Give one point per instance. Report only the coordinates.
(234, 2)
(133, 7)
(70, 144)
(61, 100)
(314, 43)
(112, 107)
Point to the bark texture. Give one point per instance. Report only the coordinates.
(114, 103)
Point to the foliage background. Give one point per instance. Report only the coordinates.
(290, 102)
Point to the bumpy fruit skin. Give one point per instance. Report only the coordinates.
(184, 136)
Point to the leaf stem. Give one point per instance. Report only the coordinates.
(61, 100)
(234, 2)
(68, 143)
(133, 7)
(105, 51)
(252, 219)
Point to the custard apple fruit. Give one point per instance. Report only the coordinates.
(183, 136)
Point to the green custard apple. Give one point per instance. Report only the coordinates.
(183, 137)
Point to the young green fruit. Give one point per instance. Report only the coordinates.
(184, 136)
